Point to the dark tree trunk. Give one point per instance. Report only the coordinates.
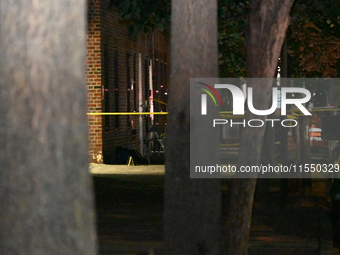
(268, 22)
(45, 190)
(192, 206)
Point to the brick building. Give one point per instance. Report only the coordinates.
(123, 73)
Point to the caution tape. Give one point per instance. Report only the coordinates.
(230, 145)
(294, 115)
(127, 113)
(324, 110)
(158, 101)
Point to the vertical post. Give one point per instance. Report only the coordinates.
(284, 161)
(152, 117)
(284, 59)
(283, 133)
(45, 189)
(267, 157)
(305, 152)
(141, 104)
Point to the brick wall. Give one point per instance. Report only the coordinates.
(94, 79)
(112, 75)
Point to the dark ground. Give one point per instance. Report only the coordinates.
(129, 213)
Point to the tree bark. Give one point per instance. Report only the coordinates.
(192, 206)
(267, 26)
(45, 189)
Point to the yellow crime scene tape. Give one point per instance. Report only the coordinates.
(222, 114)
(158, 101)
(127, 113)
(229, 145)
(132, 113)
(294, 115)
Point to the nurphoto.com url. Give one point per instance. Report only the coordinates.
(263, 169)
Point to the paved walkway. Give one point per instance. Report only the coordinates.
(129, 202)
(101, 169)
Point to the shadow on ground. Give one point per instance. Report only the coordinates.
(129, 218)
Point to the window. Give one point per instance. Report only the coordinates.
(116, 89)
(129, 86)
(156, 81)
(147, 90)
(106, 89)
